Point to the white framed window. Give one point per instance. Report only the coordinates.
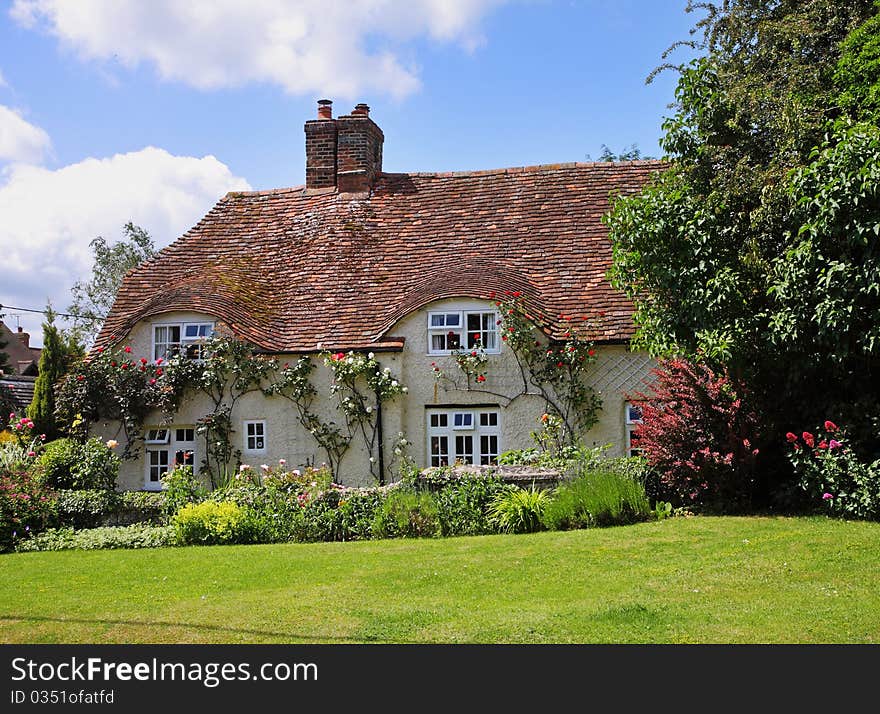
(450, 330)
(167, 447)
(255, 436)
(632, 418)
(448, 444)
(157, 436)
(188, 338)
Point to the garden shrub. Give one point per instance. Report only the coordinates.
(181, 487)
(357, 513)
(86, 508)
(698, 434)
(90, 508)
(140, 507)
(110, 537)
(58, 460)
(598, 497)
(68, 464)
(26, 506)
(833, 475)
(274, 512)
(97, 466)
(518, 510)
(213, 522)
(463, 504)
(407, 514)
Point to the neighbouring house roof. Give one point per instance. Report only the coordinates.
(21, 389)
(298, 269)
(23, 358)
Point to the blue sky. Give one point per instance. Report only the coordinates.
(116, 110)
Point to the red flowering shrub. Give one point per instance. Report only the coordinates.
(698, 435)
(26, 506)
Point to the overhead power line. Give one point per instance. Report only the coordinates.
(29, 309)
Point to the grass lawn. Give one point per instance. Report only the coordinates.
(681, 580)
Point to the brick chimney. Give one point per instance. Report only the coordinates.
(344, 152)
(24, 337)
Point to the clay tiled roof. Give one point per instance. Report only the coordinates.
(20, 389)
(292, 269)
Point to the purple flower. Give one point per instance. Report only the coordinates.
(827, 496)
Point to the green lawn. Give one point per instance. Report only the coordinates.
(680, 580)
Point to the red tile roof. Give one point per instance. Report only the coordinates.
(292, 269)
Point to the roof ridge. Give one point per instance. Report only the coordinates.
(529, 169)
(265, 191)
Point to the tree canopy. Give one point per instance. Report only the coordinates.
(93, 299)
(758, 248)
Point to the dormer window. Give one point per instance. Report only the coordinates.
(450, 330)
(187, 338)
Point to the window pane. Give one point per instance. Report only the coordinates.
(438, 342)
(439, 451)
(453, 340)
(489, 419)
(191, 331)
(464, 449)
(438, 320)
(453, 319)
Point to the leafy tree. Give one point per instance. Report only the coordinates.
(54, 361)
(756, 248)
(629, 153)
(92, 300)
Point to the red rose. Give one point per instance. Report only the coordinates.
(100, 350)
(158, 372)
(124, 365)
(830, 426)
(823, 444)
(143, 360)
(79, 378)
(152, 381)
(592, 353)
(791, 437)
(808, 439)
(559, 364)
(481, 378)
(517, 294)
(128, 349)
(491, 294)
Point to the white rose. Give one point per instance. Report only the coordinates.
(405, 390)
(393, 382)
(371, 355)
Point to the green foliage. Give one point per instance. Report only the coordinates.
(58, 460)
(858, 71)
(54, 362)
(596, 498)
(92, 300)
(217, 523)
(463, 504)
(86, 508)
(628, 153)
(518, 510)
(68, 464)
(89, 508)
(181, 487)
(747, 251)
(104, 538)
(26, 506)
(833, 475)
(405, 514)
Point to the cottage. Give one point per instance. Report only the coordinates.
(406, 266)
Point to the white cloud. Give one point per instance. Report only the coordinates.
(19, 140)
(339, 48)
(49, 216)
(3, 82)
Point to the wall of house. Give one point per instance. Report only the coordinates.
(616, 373)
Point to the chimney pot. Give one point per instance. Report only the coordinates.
(325, 109)
(24, 337)
(362, 109)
